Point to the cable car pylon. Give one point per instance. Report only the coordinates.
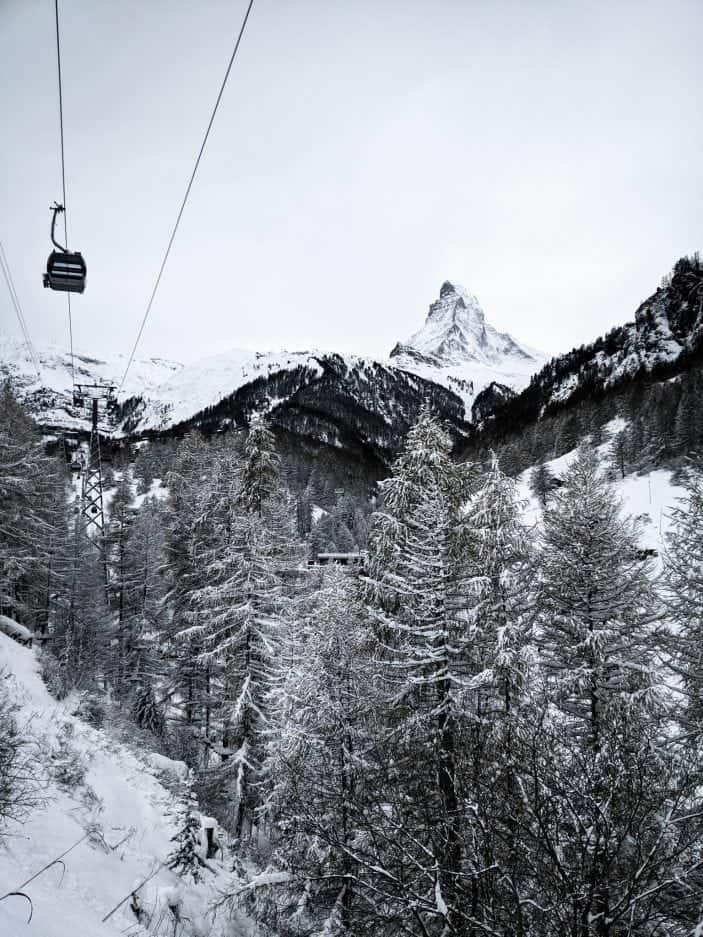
(92, 490)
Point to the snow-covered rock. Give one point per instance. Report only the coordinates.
(458, 348)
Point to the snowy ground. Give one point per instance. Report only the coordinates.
(128, 808)
(649, 496)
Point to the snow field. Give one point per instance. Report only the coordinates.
(129, 812)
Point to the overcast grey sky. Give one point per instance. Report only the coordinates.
(547, 155)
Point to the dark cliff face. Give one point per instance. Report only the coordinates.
(665, 338)
(489, 400)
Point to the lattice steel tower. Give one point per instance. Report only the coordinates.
(92, 494)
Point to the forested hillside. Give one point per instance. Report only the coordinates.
(491, 727)
(650, 371)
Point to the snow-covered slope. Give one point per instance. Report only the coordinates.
(649, 496)
(359, 407)
(456, 347)
(205, 383)
(49, 395)
(123, 807)
(664, 340)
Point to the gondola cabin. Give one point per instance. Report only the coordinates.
(65, 271)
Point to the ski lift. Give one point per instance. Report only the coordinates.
(76, 466)
(65, 270)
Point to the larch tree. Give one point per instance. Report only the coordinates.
(416, 579)
(610, 801)
(32, 499)
(320, 750)
(497, 697)
(188, 482)
(244, 538)
(121, 517)
(683, 581)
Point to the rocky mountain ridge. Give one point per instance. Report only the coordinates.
(458, 348)
(354, 409)
(344, 402)
(665, 339)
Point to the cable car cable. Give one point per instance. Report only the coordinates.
(187, 193)
(63, 181)
(4, 266)
(14, 298)
(63, 158)
(7, 273)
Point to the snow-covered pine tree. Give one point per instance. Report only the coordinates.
(243, 540)
(320, 750)
(683, 593)
(416, 579)
(146, 711)
(121, 518)
(261, 470)
(619, 452)
(32, 500)
(79, 630)
(612, 823)
(496, 697)
(597, 602)
(496, 547)
(144, 595)
(189, 482)
(541, 482)
(185, 857)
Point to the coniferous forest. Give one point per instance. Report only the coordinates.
(489, 727)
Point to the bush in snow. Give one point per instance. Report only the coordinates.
(185, 857)
(68, 765)
(55, 676)
(20, 769)
(91, 710)
(146, 711)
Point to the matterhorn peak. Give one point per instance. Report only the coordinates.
(456, 332)
(458, 347)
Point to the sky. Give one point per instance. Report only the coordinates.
(546, 154)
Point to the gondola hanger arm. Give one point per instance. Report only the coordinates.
(57, 210)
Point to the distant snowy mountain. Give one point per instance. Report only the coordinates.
(457, 348)
(205, 383)
(49, 395)
(359, 408)
(354, 410)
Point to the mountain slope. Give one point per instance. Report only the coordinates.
(49, 396)
(354, 410)
(352, 405)
(665, 339)
(456, 347)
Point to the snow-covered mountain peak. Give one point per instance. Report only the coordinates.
(457, 347)
(458, 302)
(453, 291)
(456, 332)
